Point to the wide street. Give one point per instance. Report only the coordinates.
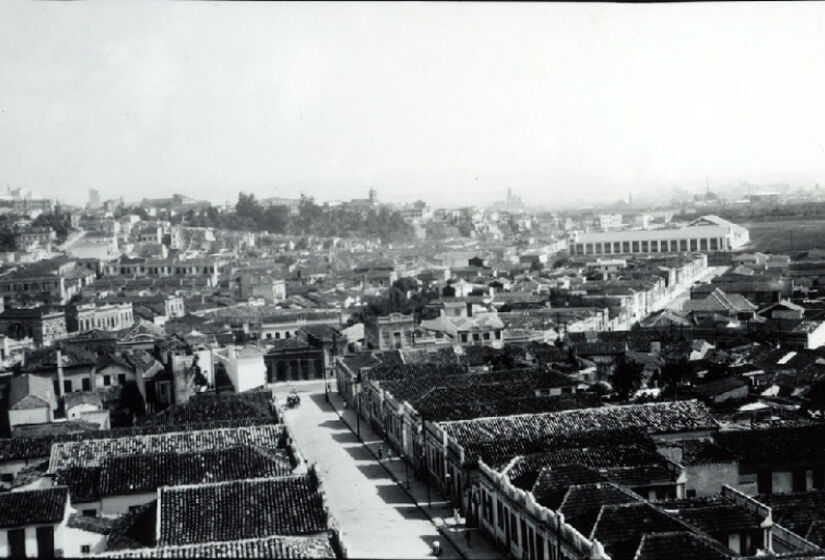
(376, 518)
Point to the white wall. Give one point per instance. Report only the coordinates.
(30, 416)
(113, 506)
(75, 538)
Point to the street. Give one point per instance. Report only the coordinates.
(682, 293)
(376, 518)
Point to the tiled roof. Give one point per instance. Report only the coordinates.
(715, 515)
(83, 483)
(19, 448)
(799, 443)
(133, 474)
(801, 512)
(90, 453)
(251, 508)
(652, 418)
(620, 528)
(719, 386)
(581, 503)
(77, 398)
(701, 452)
(679, 545)
(356, 362)
(552, 483)
(46, 506)
(30, 473)
(293, 547)
(600, 457)
(217, 406)
(498, 452)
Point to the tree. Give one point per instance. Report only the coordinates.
(674, 373)
(627, 377)
(815, 400)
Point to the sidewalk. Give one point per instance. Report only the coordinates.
(437, 509)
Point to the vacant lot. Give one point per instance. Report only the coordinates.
(784, 236)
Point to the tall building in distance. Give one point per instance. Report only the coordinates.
(94, 200)
(513, 202)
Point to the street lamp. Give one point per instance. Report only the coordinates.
(334, 356)
(358, 405)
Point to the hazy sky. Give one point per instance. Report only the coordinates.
(447, 102)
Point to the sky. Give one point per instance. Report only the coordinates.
(446, 102)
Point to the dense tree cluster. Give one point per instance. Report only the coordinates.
(404, 296)
(310, 218)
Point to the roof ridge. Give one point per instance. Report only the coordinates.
(242, 481)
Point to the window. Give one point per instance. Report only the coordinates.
(85, 549)
(121, 379)
(107, 380)
(89, 512)
(67, 385)
(644, 247)
(87, 385)
(635, 246)
(499, 514)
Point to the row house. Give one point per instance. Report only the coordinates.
(105, 317)
(198, 268)
(448, 461)
(56, 280)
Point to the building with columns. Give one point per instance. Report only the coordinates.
(705, 234)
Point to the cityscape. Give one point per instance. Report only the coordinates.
(287, 280)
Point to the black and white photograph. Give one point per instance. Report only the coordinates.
(414, 280)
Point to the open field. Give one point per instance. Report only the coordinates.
(784, 236)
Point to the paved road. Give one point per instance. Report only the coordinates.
(676, 302)
(375, 516)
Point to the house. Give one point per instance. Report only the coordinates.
(777, 460)
(292, 359)
(391, 331)
(31, 400)
(224, 511)
(722, 390)
(245, 366)
(43, 324)
(783, 310)
(480, 329)
(33, 522)
(121, 483)
(719, 303)
(80, 405)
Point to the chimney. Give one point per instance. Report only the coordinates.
(60, 374)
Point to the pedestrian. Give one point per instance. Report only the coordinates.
(380, 452)
(389, 453)
(456, 517)
(467, 536)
